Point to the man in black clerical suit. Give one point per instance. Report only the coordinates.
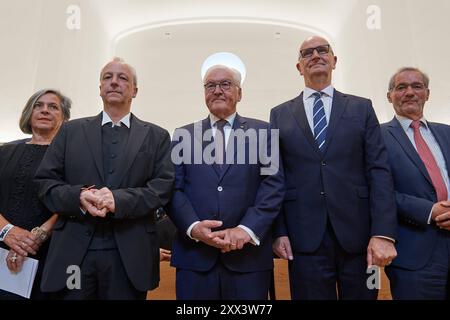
(106, 176)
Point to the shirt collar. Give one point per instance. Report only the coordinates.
(125, 120)
(230, 119)
(406, 122)
(329, 91)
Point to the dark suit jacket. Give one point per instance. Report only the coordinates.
(75, 159)
(349, 183)
(240, 195)
(414, 193)
(19, 141)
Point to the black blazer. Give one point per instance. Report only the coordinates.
(75, 159)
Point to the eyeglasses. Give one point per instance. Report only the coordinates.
(416, 86)
(224, 86)
(308, 52)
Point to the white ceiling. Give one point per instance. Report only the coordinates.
(167, 41)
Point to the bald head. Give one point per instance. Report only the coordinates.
(313, 39)
(316, 62)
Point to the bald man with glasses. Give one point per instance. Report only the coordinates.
(338, 215)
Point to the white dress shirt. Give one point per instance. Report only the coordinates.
(125, 120)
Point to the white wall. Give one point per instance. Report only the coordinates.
(38, 50)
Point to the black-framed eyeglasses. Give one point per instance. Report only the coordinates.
(224, 86)
(308, 52)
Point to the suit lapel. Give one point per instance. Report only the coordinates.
(93, 133)
(297, 109)
(338, 106)
(399, 134)
(442, 144)
(206, 125)
(138, 133)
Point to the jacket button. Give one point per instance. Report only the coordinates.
(322, 193)
(323, 163)
(219, 188)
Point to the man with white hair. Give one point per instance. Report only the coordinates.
(223, 211)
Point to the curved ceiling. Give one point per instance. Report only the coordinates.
(169, 58)
(168, 40)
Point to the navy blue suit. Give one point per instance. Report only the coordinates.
(415, 196)
(238, 194)
(336, 199)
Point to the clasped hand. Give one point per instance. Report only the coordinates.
(21, 243)
(441, 214)
(97, 202)
(226, 240)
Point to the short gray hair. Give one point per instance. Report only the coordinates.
(122, 61)
(236, 74)
(426, 79)
(25, 119)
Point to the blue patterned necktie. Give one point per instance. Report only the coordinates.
(319, 121)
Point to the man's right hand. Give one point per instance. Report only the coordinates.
(202, 231)
(282, 248)
(88, 202)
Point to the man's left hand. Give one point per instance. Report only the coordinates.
(380, 252)
(443, 220)
(105, 200)
(231, 239)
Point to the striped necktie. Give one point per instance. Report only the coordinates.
(319, 121)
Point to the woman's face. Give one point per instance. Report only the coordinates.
(47, 115)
